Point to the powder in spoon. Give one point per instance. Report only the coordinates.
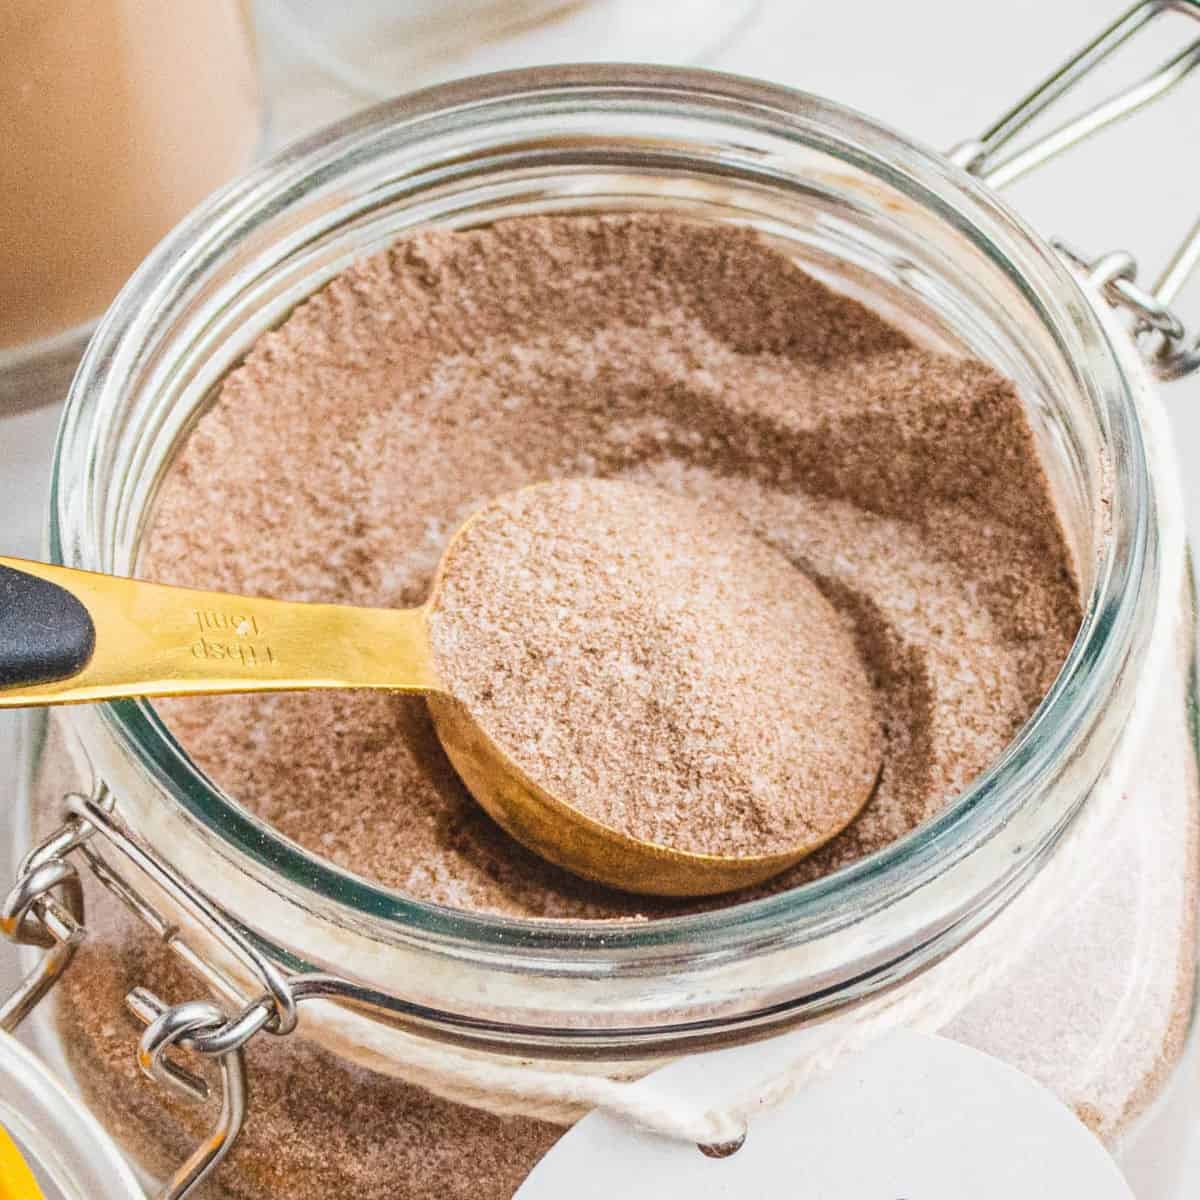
(648, 660)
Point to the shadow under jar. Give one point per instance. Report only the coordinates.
(1083, 834)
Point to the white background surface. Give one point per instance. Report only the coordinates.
(940, 70)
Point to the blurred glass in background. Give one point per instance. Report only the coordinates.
(118, 116)
(323, 60)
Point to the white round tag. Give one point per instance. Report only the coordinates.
(914, 1117)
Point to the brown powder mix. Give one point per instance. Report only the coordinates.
(695, 359)
(648, 660)
(458, 366)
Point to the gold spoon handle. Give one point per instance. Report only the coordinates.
(68, 636)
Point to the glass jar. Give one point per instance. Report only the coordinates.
(966, 913)
(51, 1139)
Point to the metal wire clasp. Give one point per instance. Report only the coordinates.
(198, 1025)
(45, 908)
(1166, 342)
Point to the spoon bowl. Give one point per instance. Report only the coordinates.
(571, 839)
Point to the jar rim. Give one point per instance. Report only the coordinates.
(1066, 716)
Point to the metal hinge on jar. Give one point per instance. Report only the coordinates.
(45, 909)
(1170, 350)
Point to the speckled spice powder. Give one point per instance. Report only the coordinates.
(458, 366)
(453, 368)
(650, 661)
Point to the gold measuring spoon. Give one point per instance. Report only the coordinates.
(69, 636)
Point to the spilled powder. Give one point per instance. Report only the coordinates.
(694, 359)
(649, 661)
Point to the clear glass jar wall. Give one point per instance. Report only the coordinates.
(879, 218)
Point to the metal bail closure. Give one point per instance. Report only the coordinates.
(44, 908)
(174, 1026)
(1166, 344)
